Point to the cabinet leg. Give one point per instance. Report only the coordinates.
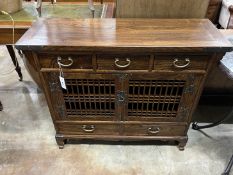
(182, 143)
(1, 107)
(39, 7)
(93, 13)
(15, 61)
(60, 141)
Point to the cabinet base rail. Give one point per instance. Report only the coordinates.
(63, 139)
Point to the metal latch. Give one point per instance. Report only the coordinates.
(120, 97)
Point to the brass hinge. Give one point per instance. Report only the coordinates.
(61, 110)
(54, 86)
(184, 111)
(53, 82)
(190, 89)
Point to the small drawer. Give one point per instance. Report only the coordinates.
(123, 62)
(68, 61)
(88, 129)
(181, 62)
(154, 130)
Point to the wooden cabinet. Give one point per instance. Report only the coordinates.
(124, 95)
(147, 103)
(123, 81)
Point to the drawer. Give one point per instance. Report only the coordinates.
(154, 130)
(181, 62)
(69, 61)
(123, 62)
(88, 129)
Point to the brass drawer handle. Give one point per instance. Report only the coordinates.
(59, 59)
(175, 63)
(90, 128)
(122, 66)
(153, 130)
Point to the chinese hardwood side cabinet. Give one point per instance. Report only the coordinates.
(126, 79)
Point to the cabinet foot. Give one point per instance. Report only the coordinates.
(60, 141)
(61, 146)
(182, 144)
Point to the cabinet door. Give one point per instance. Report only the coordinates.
(88, 96)
(161, 97)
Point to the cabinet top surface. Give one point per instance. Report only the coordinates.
(104, 34)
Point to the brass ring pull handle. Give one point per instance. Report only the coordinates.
(153, 130)
(175, 63)
(89, 128)
(59, 59)
(122, 66)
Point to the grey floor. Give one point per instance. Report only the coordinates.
(27, 144)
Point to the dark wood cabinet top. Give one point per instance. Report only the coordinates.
(124, 34)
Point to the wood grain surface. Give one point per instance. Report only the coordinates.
(98, 34)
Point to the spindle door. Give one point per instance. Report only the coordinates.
(87, 97)
(123, 97)
(161, 97)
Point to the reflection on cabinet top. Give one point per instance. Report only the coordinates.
(149, 35)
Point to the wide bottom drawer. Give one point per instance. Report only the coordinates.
(154, 130)
(88, 129)
(132, 129)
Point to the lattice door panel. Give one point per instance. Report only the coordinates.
(89, 97)
(154, 98)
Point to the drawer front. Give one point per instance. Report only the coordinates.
(123, 62)
(69, 61)
(88, 129)
(181, 62)
(154, 130)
